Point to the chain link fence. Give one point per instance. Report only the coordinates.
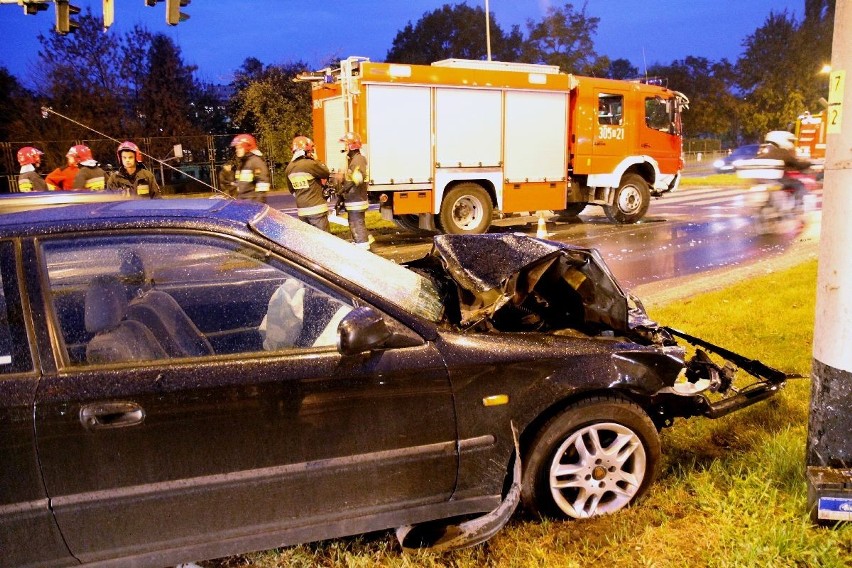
(203, 157)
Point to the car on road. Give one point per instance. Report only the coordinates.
(726, 165)
(186, 379)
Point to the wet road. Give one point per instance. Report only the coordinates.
(689, 232)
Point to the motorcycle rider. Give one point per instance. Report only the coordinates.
(63, 178)
(781, 145)
(353, 189)
(306, 177)
(132, 177)
(252, 175)
(29, 180)
(89, 175)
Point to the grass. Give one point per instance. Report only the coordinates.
(731, 492)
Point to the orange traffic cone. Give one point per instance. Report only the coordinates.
(541, 233)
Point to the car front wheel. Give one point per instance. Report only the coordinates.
(595, 458)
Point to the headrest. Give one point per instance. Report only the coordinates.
(106, 303)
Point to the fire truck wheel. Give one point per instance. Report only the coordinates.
(572, 210)
(410, 223)
(631, 200)
(466, 210)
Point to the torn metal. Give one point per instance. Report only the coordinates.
(442, 535)
(530, 284)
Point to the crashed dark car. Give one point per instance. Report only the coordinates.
(189, 379)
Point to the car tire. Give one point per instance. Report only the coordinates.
(466, 210)
(596, 457)
(631, 201)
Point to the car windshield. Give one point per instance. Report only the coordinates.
(742, 151)
(397, 284)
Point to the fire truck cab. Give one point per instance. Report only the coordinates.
(450, 144)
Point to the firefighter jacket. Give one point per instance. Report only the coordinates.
(62, 178)
(139, 184)
(354, 187)
(91, 177)
(792, 163)
(252, 174)
(304, 175)
(30, 180)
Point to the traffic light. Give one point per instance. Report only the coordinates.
(32, 7)
(64, 11)
(173, 14)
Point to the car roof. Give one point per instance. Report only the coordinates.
(130, 213)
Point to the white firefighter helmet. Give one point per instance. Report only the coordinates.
(782, 139)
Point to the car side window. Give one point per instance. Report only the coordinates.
(122, 299)
(15, 356)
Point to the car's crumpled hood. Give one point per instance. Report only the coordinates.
(515, 282)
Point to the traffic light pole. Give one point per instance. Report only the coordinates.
(829, 444)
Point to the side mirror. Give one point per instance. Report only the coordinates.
(362, 329)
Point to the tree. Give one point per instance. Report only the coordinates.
(166, 100)
(12, 94)
(712, 106)
(621, 69)
(564, 38)
(270, 104)
(777, 74)
(453, 32)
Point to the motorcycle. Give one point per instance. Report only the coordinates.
(779, 199)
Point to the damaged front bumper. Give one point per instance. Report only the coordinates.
(720, 379)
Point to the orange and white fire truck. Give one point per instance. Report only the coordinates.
(448, 144)
(810, 136)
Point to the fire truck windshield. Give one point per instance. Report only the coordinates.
(662, 114)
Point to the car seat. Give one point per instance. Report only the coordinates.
(176, 332)
(116, 339)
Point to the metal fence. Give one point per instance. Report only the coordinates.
(203, 157)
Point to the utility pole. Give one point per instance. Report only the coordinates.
(829, 445)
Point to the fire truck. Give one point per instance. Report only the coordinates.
(450, 144)
(810, 136)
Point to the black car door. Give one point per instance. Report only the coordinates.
(28, 533)
(144, 448)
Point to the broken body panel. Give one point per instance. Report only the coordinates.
(530, 287)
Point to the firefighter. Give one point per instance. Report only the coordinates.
(63, 178)
(306, 178)
(227, 180)
(252, 175)
(29, 179)
(90, 175)
(353, 190)
(781, 145)
(132, 177)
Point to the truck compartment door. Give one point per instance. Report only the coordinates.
(335, 124)
(399, 134)
(535, 150)
(469, 128)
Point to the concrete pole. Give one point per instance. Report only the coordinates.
(829, 445)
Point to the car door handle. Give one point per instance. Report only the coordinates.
(646, 145)
(113, 414)
(599, 143)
